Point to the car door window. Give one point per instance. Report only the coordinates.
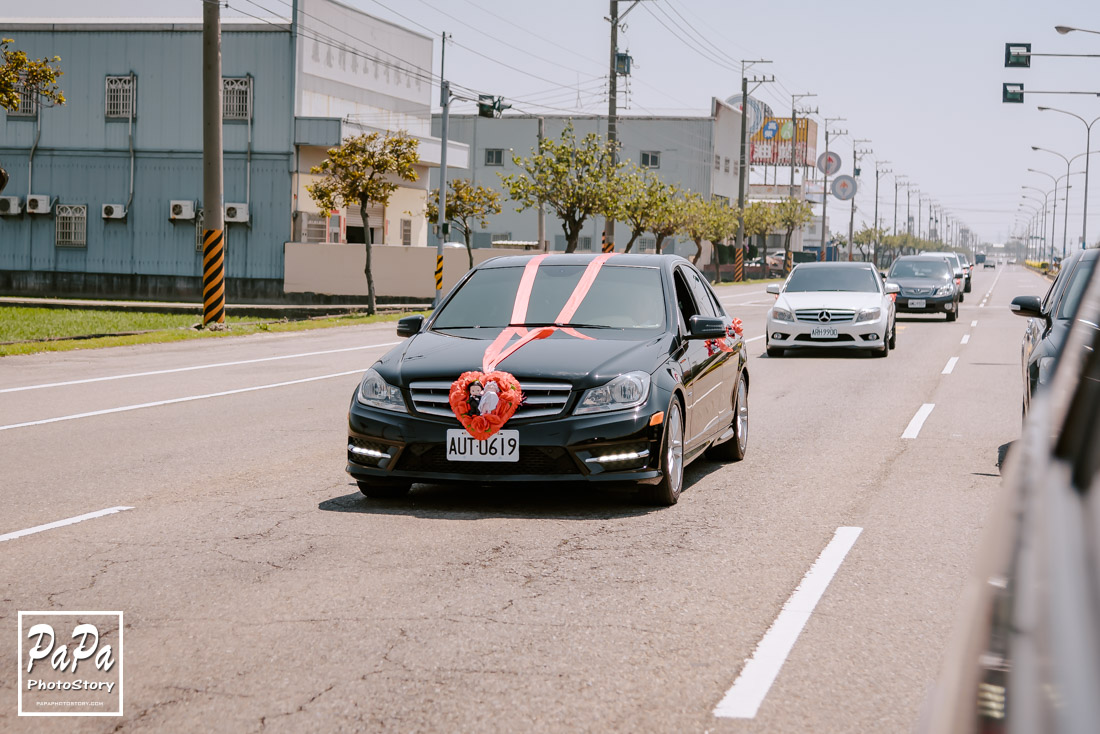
(1075, 288)
(1055, 289)
(685, 301)
(703, 300)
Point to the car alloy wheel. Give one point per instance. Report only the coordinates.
(667, 490)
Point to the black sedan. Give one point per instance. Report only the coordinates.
(926, 285)
(1049, 320)
(1025, 653)
(603, 368)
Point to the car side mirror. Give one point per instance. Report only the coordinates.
(410, 325)
(774, 288)
(1027, 306)
(892, 288)
(706, 327)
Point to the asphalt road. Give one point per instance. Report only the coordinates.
(262, 592)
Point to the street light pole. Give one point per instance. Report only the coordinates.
(1088, 143)
(1065, 216)
(855, 170)
(878, 175)
(825, 188)
(1045, 194)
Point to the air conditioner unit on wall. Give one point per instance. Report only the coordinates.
(38, 204)
(181, 209)
(114, 211)
(236, 212)
(10, 205)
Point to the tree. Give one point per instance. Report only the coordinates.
(576, 181)
(668, 216)
(868, 236)
(713, 220)
(466, 204)
(643, 197)
(360, 171)
(759, 218)
(21, 76)
(790, 214)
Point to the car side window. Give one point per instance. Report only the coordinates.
(704, 300)
(1055, 288)
(685, 302)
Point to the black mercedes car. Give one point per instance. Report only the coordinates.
(927, 285)
(1049, 319)
(599, 368)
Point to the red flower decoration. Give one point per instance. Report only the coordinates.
(466, 407)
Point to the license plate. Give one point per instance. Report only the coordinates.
(916, 303)
(823, 332)
(501, 446)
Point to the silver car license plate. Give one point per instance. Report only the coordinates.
(823, 332)
(501, 446)
(916, 303)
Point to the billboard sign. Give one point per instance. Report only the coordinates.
(772, 143)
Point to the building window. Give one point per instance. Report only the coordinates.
(71, 227)
(718, 163)
(647, 244)
(727, 165)
(237, 98)
(584, 243)
(501, 237)
(494, 156)
(406, 232)
(651, 159)
(119, 98)
(28, 103)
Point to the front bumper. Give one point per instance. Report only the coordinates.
(412, 447)
(932, 304)
(850, 335)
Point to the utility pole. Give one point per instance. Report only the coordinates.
(855, 173)
(441, 216)
(612, 111)
(794, 133)
(878, 176)
(897, 182)
(909, 207)
(543, 244)
(213, 218)
(742, 169)
(825, 188)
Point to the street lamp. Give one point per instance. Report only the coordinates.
(1045, 194)
(1064, 29)
(1065, 216)
(1088, 134)
(1054, 213)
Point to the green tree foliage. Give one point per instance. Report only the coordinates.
(361, 171)
(668, 216)
(759, 218)
(868, 236)
(20, 75)
(643, 200)
(790, 214)
(467, 204)
(713, 220)
(576, 181)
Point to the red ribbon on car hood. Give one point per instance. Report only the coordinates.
(497, 352)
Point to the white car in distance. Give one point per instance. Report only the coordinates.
(835, 305)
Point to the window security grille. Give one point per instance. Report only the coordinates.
(647, 244)
(718, 163)
(120, 96)
(28, 104)
(314, 228)
(584, 243)
(500, 237)
(237, 98)
(406, 232)
(200, 226)
(71, 225)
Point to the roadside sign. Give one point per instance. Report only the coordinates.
(844, 187)
(771, 127)
(828, 163)
(787, 131)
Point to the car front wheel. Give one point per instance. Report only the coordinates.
(733, 449)
(667, 491)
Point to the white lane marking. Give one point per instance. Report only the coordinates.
(973, 323)
(913, 429)
(965, 339)
(950, 366)
(754, 338)
(195, 367)
(187, 399)
(743, 700)
(62, 523)
(742, 295)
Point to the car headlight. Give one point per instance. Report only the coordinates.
(868, 314)
(625, 391)
(782, 314)
(1046, 369)
(944, 290)
(377, 393)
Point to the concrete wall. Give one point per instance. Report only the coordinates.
(407, 272)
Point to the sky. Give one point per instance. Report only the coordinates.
(920, 80)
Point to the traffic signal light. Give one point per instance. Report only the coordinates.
(1017, 55)
(1013, 93)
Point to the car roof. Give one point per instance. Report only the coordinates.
(811, 265)
(578, 258)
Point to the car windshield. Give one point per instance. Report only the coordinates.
(1075, 289)
(862, 280)
(920, 269)
(621, 297)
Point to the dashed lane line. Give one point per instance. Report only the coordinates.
(950, 366)
(913, 429)
(743, 700)
(62, 523)
(965, 339)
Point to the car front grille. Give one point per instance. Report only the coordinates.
(541, 399)
(825, 315)
(907, 292)
(536, 460)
